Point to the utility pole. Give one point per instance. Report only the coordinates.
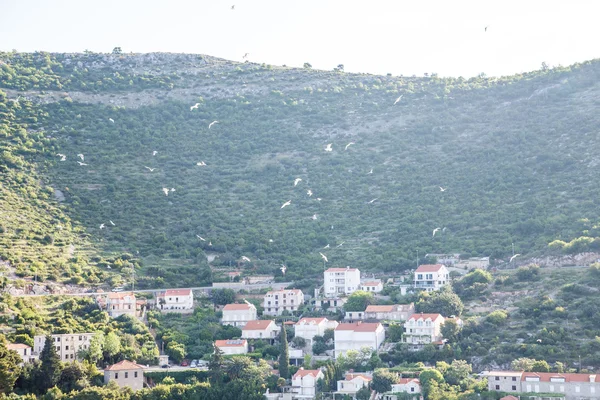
(132, 277)
(417, 258)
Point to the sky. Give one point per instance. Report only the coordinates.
(368, 36)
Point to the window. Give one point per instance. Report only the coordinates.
(514, 378)
(126, 375)
(58, 339)
(66, 356)
(514, 387)
(79, 337)
(116, 375)
(57, 348)
(577, 389)
(66, 347)
(497, 378)
(71, 356)
(412, 389)
(497, 387)
(420, 276)
(135, 374)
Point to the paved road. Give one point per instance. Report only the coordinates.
(207, 289)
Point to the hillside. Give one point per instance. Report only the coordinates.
(516, 157)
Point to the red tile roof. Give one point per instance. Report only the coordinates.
(380, 308)
(340, 269)
(15, 346)
(359, 326)
(178, 292)
(303, 372)
(295, 291)
(257, 325)
(308, 321)
(120, 295)
(422, 316)
(509, 397)
(123, 365)
(351, 376)
(371, 283)
(429, 268)
(404, 381)
(231, 343)
(546, 376)
(237, 307)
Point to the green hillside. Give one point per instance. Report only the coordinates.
(517, 157)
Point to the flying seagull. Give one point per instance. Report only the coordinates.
(201, 164)
(319, 199)
(309, 193)
(340, 245)
(101, 226)
(154, 152)
(513, 257)
(435, 230)
(212, 123)
(149, 169)
(112, 223)
(348, 145)
(210, 243)
(194, 106)
(201, 238)
(283, 269)
(81, 156)
(172, 189)
(244, 258)
(371, 202)
(166, 191)
(111, 120)
(398, 99)
(81, 163)
(287, 203)
(62, 156)
(371, 171)
(328, 147)
(297, 180)
(246, 55)
(324, 257)
(444, 229)
(326, 247)
(314, 217)
(442, 189)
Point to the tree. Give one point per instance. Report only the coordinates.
(112, 346)
(9, 367)
(223, 296)
(284, 355)
(358, 301)
(450, 330)
(383, 380)
(430, 379)
(117, 50)
(50, 367)
(522, 364)
(319, 347)
(363, 393)
(299, 342)
(457, 372)
(497, 317)
(395, 332)
(215, 365)
(340, 68)
(176, 351)
(307, 65)
(72, 377)
(444, 302)
(94, 352)
(540, 366)
(235, 366)
(328, 335)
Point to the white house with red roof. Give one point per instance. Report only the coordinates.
(238, 314)
(24, 351)
(176, 299)
(341, 281)
(126, 374)
(572, 386)
(431, 277)
(277, 301)
(232, 346)
(356, 335)
(352, 383)
(119, 303)
(260, 329)
(308, 328)
(407, 385)
(392, 312)
(372, 285)
(304, 383)
(421, 329)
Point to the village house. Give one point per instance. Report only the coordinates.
(446, 259)
(238, 314)
(431, 277)
(278, 301)
(572, 386)
(24, 351)
(68, 345)
(126, 374)
(260, 329)
(373, 286)
(308, 328)
(304, 383)
(394, 312)
(422, 329)
(232, 346)
(404, 385)
(356, 335)
(474, 263)
(353, 383)
(330, 303)
(119, 303)
(176, 300)
(341, 281)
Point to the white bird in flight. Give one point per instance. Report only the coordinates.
(62, 156)
(314, 217)
(348, 145)
(398, 99)
(201, 238)
(371, 171)
(212, 123)
(154, 152)
(340, 245)
(309, 193)
(112, 223)
(319, 199)
(194, 106)
(81, 163)
(149, 169)
(371, 202)
(513, 257)
(210, 243)
(283, 269)
(166, 191)
(244, 258)
(81, 156)
(201, 164)
(111, 120)
(297, 180)
(287, 203)
(442, 189)
(435, 230)
(326, 247)
(101, 226)
(172, 189)
(328, 147)
(324, 257)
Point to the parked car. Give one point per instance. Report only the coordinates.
(165, 366)
(185, 363)
(193, 364)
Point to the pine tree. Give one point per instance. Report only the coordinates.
(50, 367)
(284, 355)
(9, 367)
(215, 366)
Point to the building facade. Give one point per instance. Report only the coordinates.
(353, 383)
(341, 281)
(572, 386)
(176, 299)
(422, 329)
(304, 383)
(232, 346)
(308, 328)
(431, 277)
(278, 301)
(260, 329)
(238, 314)
(68, 345)
(126, 374)
(355, 336)
(373, 286)
(24, 351)
(394, 312)
(120, 303)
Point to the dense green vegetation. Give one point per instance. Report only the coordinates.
(515, 156)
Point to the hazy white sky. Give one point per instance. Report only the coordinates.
(401, 37)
